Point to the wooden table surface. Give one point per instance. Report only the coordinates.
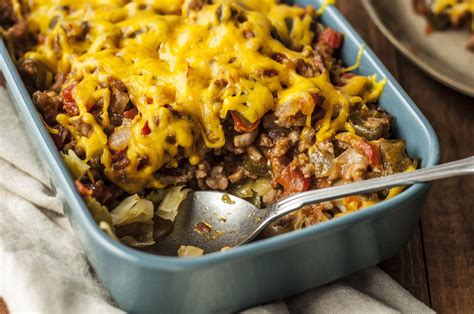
(437, 264)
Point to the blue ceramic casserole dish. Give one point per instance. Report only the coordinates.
(262, 271)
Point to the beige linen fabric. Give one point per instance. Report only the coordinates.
(43, 267)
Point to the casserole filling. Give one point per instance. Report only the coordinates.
(148, 100)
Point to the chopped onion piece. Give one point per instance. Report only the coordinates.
(189, 251)
(118, 141)
(322, 162)
(126, 122)
(119, 100)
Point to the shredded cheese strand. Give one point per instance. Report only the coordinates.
(356, 65)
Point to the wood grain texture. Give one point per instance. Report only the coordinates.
(3, 307)
(447, 222)
(437, 265)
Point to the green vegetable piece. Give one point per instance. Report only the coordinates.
(394, 156)
(259, 169)
(243, 190)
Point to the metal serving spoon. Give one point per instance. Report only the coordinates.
(212, 220)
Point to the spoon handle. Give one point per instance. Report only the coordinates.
(294, 202)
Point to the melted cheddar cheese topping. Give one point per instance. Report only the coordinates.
(173, 61)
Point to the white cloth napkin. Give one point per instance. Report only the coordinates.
(43, 267)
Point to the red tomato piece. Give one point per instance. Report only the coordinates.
(241, 124)
(130, 114)
(146, 129)
(83, 190)
(370, 151)
(331, 38)
(69, 104)
(293, 180)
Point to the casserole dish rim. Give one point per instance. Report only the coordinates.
(151, 261)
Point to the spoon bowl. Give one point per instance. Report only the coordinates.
(211, 221)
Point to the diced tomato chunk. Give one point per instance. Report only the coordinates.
(130, 114)
(331, 38)
(69, 104)
(241, 124)
(146, 129)
(83, 190)
(293, 180)
(369, 151)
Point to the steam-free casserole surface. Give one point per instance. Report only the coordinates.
(266, 269)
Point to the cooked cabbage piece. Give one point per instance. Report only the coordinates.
(132, 209)
(168, 208)
(76, 166)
